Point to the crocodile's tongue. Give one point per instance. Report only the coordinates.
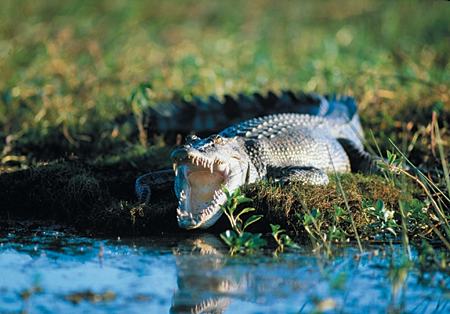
(203, 184)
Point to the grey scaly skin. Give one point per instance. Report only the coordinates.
(286, 147)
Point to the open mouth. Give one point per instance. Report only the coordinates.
(198, 185)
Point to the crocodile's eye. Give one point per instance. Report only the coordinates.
(217, 139)
(191, 138)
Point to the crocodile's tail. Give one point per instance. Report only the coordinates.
(343, 108)
(206, 115)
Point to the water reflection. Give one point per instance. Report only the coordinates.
(209, 281)
(200, 288)
(55, 272)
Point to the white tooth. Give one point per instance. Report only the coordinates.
(221, 167)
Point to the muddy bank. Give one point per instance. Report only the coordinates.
(99, 199)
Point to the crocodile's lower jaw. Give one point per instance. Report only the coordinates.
(197, 222)
(204, 219)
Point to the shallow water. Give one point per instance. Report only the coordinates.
(53, 272)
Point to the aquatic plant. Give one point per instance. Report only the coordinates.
(437, 199)
(238, 239)
(282, 239)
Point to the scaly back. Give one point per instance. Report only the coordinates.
(336, 117)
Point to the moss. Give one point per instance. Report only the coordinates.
(289, 204)
(53, 190)
(96, 196)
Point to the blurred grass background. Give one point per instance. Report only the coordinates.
(67, 67)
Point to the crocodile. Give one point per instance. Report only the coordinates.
(287, 147)
(204, 115)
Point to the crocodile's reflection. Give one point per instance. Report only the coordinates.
(201, 287)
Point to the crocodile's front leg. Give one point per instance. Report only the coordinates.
(305, 175)
(159, 180)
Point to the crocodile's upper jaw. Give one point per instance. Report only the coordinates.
(200, 176)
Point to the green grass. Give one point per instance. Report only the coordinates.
(68, 71)
(70, 68)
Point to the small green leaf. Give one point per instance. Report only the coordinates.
(379, 205)
(339, 211)
(252, 220)
(308, 219)
(289, 242)
(244, 211)
(228, 237)
(247, 210)
(275, 228)
(315, 213)
(242, 199)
